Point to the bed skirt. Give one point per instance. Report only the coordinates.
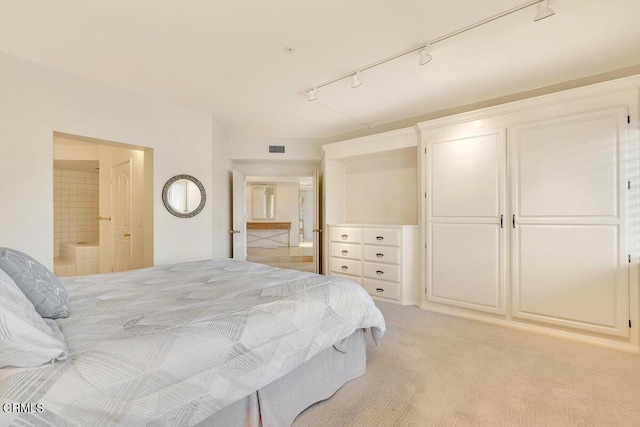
(280, 402)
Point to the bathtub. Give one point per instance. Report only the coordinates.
(77, 258)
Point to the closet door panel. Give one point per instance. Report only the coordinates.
(466, 177)
(568, 169)
(570, 272)
(569, 250)
(465, 261)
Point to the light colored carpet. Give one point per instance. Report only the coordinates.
(438, 370)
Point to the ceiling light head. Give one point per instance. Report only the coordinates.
(355, 80)
(425, 56)
(311, 95)
(544, 11)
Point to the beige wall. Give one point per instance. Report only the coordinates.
(286, 209)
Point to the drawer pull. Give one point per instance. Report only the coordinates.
(379, 255)
(345, 268)
(345, 253)
(379, 272)
(379, 290)
(345, 236)
(379, 238)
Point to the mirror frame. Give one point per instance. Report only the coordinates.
(165, 200)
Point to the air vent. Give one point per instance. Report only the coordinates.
(276, 148)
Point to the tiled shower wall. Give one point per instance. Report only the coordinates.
(75, 207)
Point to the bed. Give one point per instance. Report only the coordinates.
(216, 342)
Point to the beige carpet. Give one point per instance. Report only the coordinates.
(437, 370)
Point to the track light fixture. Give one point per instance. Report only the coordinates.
(425, 56)
(544, 11)
(355, 80)
(311, 94)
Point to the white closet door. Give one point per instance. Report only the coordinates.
(569, 264)
(465, 202)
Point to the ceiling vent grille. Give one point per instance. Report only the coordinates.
(276, 148)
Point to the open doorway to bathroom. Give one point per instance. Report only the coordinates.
(280, 214)
(103, 206)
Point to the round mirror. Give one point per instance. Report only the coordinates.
(184, 196)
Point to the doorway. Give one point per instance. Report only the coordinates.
(103, 206)
(279, 215)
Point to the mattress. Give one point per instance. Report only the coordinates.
(173, 345)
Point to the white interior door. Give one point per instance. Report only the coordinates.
(239, 230)
(317, 224)
(466, 262)
(121, 216)
(569, 262)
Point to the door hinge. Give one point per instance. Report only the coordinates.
(628, 119)
(629, 258)
(425, 151)
(629, 322)
(628, 185)
(425, 195)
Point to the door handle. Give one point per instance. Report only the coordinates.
(126, 235)
(234, 231)
(317, 230)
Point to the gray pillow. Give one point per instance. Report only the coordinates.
(26, 340)
(37, 282)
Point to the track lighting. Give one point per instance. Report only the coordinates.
(355, 80)
(544, 11)
(425, 56)
(311, 95)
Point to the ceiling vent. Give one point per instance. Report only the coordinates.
(276, 148)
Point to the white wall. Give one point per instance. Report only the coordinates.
(220, 196)
(35, 101)
(382, 189)
(304, 149)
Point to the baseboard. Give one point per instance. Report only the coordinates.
(574, 336)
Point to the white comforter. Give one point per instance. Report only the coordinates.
(171, 345)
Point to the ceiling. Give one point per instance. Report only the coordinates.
(229, 57)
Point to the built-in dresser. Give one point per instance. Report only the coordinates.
(372, 233)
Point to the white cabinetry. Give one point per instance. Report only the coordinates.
(381, 258)
(371, 213)
(526, 216)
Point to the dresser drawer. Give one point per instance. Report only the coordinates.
(345, 234)
(386, 254)
(345, 266)
(381, 271)
(381, 289)
(345, 250)
(381, 236)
